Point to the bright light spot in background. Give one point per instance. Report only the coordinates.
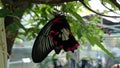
(96, 5)
(26, 60)
(118, 1)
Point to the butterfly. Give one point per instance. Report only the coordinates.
(55, 35)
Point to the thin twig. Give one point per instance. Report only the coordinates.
(108, 8)
(82, 1)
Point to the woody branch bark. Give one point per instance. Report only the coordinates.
(19, 2)
(51, 1)
(115, 3)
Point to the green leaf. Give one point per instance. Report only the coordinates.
(79, 32)
(67, 56)
(94, 41)
(77, 16)
(103, 48)
(86, 2)
(4, 12)
(53, 56)
(90, 39)
(18, 11)
(13, 27)
(21, 26)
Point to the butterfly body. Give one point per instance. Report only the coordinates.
(55, 35)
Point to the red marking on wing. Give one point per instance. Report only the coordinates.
(54, 35)
(68, 49)
(61, 46)
(76, 46)
(55, 42)
(72, 48)
(71, 44)
(56, 20)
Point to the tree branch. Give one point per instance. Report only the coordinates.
(51, 1)
(110, 10)
(115, 3)
(82, 1)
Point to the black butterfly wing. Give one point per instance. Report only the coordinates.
(55, 35)
(43, 44)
